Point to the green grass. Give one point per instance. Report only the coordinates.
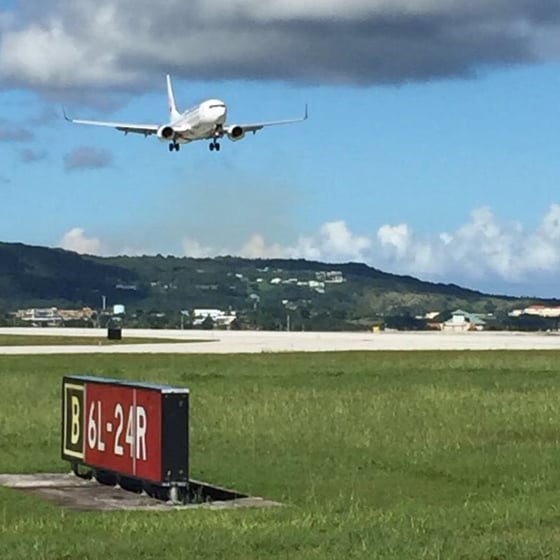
(384, 455)
(53, 340)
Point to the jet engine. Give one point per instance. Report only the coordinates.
(235, 133)
(165, 132)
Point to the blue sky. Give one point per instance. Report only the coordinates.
(448, 174)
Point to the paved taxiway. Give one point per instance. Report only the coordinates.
(235, 342)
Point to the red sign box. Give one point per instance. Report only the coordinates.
(136, 430)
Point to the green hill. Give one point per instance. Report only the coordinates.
(262, 291)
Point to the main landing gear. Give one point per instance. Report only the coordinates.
(174, 146)
(218, 133)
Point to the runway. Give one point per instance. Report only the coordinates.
(238, 342)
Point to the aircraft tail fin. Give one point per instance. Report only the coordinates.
(173, 113)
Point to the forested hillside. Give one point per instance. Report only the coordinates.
(263, 291)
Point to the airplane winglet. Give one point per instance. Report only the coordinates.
(306, 115)
(66, 117)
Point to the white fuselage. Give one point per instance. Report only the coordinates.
(200, 122)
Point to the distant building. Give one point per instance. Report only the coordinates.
(123, 286)
(430, 316)
(219, 318)
(86, 313)
(204, 313)
(39, 316)
(462, 321)
(53, 316)
(537, 310)
(330, 277)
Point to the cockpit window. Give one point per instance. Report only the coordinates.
(217, 105)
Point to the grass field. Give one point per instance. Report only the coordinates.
(47, 340)
(386, 455)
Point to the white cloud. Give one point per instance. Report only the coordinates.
(195, 250)
(395, 237)
(480, 253)
(76, 240)
(550, 226)
(340, 243)
(482, 249)
(334, 241)
(256, 247)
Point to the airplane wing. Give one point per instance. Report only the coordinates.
(253, 127)
(145, 129)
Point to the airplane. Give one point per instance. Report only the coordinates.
(205, 121)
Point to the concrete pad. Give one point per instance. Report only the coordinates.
(74, 493)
